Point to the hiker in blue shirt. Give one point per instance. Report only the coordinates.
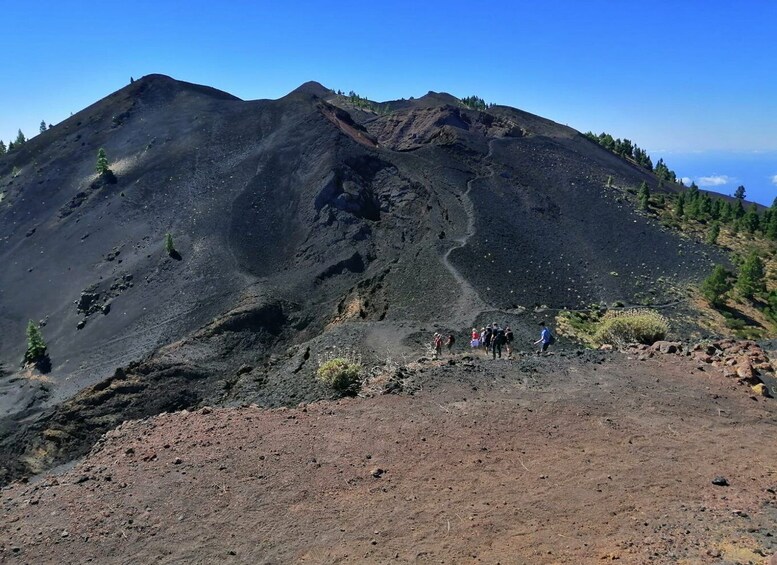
(546, 338)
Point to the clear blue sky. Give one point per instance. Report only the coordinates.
(675, 77)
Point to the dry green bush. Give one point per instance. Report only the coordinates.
(340, 371)
(631, 326)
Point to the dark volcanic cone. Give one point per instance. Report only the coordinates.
(297, 223)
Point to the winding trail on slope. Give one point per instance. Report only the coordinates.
(469, 303)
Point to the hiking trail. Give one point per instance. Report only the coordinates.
(469, 303)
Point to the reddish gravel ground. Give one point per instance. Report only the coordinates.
(489, 462)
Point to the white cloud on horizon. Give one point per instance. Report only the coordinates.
(686, 180)
(774, 180)
(715, 180)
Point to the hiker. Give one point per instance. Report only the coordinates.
(546, 338)
(487, 335)
(437, 344)
(475, 340)
(509, 341)
(497, 340)
(449, 343)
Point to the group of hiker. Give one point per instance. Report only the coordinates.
(492, 338)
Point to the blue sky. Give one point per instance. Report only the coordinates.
(678, 78)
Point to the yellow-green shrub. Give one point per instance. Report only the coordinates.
(631, 326)
(341, 374)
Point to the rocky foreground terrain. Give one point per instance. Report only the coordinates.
(588, 457)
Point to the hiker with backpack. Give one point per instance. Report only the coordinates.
(546, 338)
(487, 335)
(437, 345)
(509, 341)
(449, 343)
(497, 340)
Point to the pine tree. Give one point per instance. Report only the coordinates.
(726, 212)
(712, 235)
(751, 220)
(3, 150)
(169, 246)
(42, 126)
(716, 286)
(102, 162)
(715, 211)
(10, 146)
(771, 228)
(20, 139)
(643, 196)
(679, 206)
(739, 210)
(739, 193)
(36, 347)
(750, 279)
(705, 206)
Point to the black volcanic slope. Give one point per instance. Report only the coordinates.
(300, 222)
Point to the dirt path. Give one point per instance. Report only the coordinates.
(536, 461)
(469, 303)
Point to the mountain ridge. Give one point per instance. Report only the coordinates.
(301, 223)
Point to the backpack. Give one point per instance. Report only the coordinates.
(499, 337)
(552, 339)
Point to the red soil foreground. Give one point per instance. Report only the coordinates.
(574, 462)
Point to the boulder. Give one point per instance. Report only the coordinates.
(667, 346)
(745, 370)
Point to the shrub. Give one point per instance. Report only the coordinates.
(716, 286)
(750, 280)
(169, 246)
(343, 374)
(36, 347)
(631, 326)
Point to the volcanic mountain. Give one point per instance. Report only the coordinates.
(296, 225)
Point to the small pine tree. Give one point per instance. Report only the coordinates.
(42, 126)
(751, 219)
(169, 246)
(712, 235)
(771, 228)
(726, 212)
(643, 196)
(36, 347)
(750, 280)
(3, 149)
(102, 162)
(739, 210)
(716, 286)
(10, 146)
(20, 139)
(679, 207)
(739, 193)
